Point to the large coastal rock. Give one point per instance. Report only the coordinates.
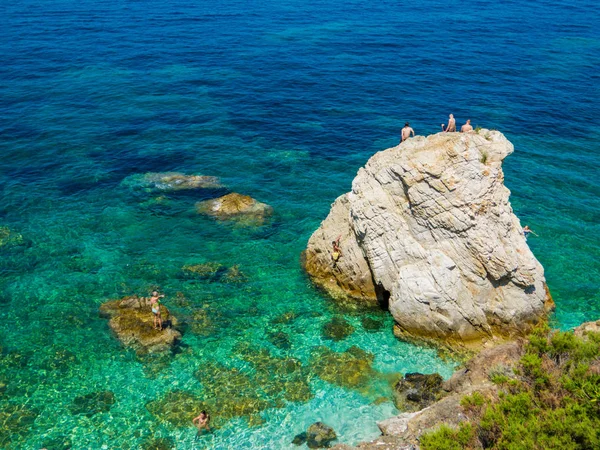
(132, 321)
(428, 230)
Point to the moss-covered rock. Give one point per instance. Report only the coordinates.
(371, 325)
(177, 408)
(208, 270)
(59, 359)
(131, 319)
(320, 435)
(92, 403)
(280, 340)
(9, 238)
(416, 391)
(337, 329)
(15, 422)
(349, 369)
(171, 182)
(242, 209)
(285, 318)
(234, 275)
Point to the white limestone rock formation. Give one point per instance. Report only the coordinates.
(428, 229)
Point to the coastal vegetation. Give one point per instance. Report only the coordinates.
(550, 400)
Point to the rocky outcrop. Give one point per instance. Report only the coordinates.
(428, 230)
(416, 391)
(403, 431)
(240, 208)
(318, 435)
(132, 321)
(171, 182)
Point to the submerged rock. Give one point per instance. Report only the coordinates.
(15, 422)
(177, 408)
(337, 329)
(9, 238)
(207, 271)
(92, 403)
(158, 444)
(350, 369)
(299, 439)
(171, 182)
(237, 207)
(428, 229)
(416, 391)
(320, 435)
(132, 321)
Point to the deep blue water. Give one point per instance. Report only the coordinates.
(283, 101)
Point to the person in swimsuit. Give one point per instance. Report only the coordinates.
(406, 132)
(451, 128)
(527, 231)
(467, 127)
(337, 251)
(202, 423)
(155, 305)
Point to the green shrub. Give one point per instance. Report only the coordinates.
(446, 438)
(552, 403)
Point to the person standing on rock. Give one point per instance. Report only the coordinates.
(406, 131)
(451, 128)
(155, 306)
(337, 251)
(467, 127)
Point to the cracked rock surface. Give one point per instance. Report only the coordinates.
(429, 230)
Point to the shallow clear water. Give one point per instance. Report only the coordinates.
(283, 101)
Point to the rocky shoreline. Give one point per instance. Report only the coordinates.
(428, 232)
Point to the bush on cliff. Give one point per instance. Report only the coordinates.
(552, 401)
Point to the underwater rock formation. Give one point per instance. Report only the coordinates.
(171, 182)
(132, 321)
(429, 231)
(416, 391)
(337, 329)
(242, 209)
(9, 238)
(92, 403)
(15, 422)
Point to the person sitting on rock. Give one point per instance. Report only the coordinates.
(337, 251)
(406, 132)
(155, 305)
(202, 423)
(451, 124)
(467, 127)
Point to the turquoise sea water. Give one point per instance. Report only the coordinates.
(283, 101)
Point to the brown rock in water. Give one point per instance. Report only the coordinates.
(416, 391)
(132, 321)
(240, 208)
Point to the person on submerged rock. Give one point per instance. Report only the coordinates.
(451, 124)
(155, 306)
(202, 423)
(337, 251)
(406, 131)
(467, 127)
